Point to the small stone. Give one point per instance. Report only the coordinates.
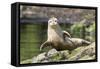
(39, 58)
(65, 54)
(52, 52)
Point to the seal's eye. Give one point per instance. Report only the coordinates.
(55, 20)
(49, 21)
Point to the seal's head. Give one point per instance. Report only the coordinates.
(53, 22)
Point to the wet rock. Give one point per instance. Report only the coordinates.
(39, 58)
(80, 53)
(52, 53)
(65, 54)
(84, 52)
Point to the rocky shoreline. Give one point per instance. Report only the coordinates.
(80, 53)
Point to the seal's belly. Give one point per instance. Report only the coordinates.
(56, 39)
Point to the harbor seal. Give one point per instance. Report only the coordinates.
(60, 40)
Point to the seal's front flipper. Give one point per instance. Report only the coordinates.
(45, 44)
(66, 34)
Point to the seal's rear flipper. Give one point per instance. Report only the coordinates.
(84, 42)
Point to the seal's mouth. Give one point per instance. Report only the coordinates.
(53, 25)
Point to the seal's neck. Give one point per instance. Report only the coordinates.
(55, 28)
(54, 32)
